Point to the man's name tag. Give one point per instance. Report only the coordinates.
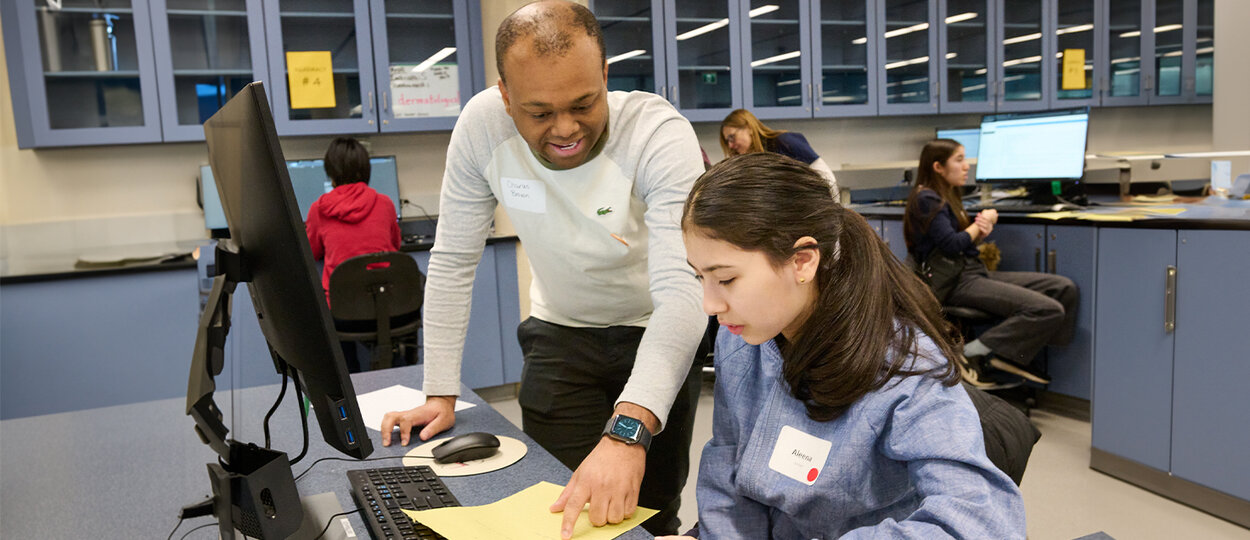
(799, 456)
(527, 195)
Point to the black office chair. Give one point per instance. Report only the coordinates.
(376, 298)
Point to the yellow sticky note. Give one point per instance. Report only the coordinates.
(310, 76)
(1073, 69)
(523, 516)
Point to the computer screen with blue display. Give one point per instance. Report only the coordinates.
(1039, 146)
(309, 180)
(970, 138)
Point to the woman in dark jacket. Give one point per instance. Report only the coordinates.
(1036, 309)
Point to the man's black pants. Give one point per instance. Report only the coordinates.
(571, 380)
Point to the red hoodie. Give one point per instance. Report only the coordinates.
(351, 220)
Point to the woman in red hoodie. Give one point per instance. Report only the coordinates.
(352, 219)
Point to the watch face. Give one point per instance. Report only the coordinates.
(626, 427)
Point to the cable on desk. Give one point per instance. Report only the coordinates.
(171, 533)
(183, 537)
(331, 522)
(406, 202)
(333, 458)
(281, 394)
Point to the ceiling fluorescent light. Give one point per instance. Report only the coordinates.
(961, 17)
(778, 58)
(859, 41)
(902, 63)
(1164, 28)
(724, 22)
(1074, 29)
(447, 51)
(626, 56)
(907, 30)
(1025, 60)
(1022, 39)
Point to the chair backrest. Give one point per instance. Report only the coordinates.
(358, 283)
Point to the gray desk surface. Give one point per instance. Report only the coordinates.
(1211, 213)
(124, 471)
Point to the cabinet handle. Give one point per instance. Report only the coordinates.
(1050, 261)
(663, 92)
(809, 95)
(818, 96)
(1037, 259)
(672, 94)
(386, 103)
(1149, 83)
(371, 101)
(1169, 301)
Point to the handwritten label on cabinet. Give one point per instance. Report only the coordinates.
(434, 91)
(310, 75)
(1074, 69)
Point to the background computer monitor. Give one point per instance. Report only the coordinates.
(970, 138)
(1039, 146)
(285, 287)
(309, 180)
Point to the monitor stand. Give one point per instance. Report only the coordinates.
(1051, 193)
(318, 510)
(253, 487)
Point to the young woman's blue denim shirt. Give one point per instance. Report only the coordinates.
(907, 461)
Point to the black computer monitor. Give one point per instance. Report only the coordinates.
(1047, 146)
(268, 250)
(970, 138)
(309, 181)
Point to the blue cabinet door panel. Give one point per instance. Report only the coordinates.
(1133, 375)
(892, 233)
(1071, 366)
(1210, 432)
(1023, 247)
(83, 343)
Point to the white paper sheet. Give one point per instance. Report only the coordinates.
(374, 405)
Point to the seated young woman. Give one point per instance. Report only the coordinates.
(837, 411)
(1037, 309)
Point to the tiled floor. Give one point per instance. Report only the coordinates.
(1063, 497)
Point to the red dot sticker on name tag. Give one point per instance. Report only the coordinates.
(798, 455)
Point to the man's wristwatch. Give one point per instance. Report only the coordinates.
(628, 430)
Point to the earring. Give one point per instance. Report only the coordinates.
(802, 280)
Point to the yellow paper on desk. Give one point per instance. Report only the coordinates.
(310, 77)
(1054, 215)
(522, 516)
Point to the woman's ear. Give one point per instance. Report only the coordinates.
(939, 168)
(806, 259)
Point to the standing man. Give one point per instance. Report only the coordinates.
(594, 182)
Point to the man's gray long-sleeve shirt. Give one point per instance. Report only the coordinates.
(634, 188)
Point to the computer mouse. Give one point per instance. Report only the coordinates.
(467, 447)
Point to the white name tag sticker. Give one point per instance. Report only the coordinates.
(527, 195)
(799, 456)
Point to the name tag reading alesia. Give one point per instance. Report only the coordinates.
(799, 456)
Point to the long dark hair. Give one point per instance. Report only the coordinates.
(870, 310)
(914, 225)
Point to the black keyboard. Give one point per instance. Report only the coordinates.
(381, 493)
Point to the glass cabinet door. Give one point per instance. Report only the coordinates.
(964, 36)
(633, 34)
(1168, 60)
(908, 74)
(778, 83)
(206, 51)
(842, 54)
(422, 62)
(1204, 50)
(326, 43)
(1122, 80)
(1021, 78)
(89, 73)
(703, 58)
(1073, 55)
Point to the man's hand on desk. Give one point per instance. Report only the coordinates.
(438, 414)
(608, 479)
